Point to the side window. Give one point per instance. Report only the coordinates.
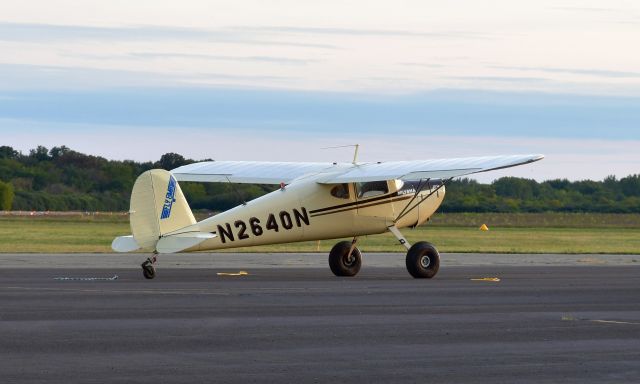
(370, 189)
(341, 191)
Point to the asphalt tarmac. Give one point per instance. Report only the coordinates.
(538, 324)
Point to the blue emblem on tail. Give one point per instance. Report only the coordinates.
(169, 199)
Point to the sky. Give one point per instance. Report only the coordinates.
(283, 80)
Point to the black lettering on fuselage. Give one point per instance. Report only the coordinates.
(225, 233)
(272, 224)
(243, 228)
(285, 220)
(301, 217)
(256, 229)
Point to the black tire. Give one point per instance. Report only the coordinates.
(423, 260)
(340, 262)
(148, 271)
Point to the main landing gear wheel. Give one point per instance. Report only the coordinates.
(423, 260)
(343, 264)
(148, 270)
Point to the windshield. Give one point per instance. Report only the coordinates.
(370, 189)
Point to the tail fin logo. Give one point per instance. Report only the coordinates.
(169, 199)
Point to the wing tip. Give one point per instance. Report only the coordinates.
(537, 157)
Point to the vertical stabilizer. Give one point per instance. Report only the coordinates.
(158, 207)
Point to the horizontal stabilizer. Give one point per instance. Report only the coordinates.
(182, 241)
(124, 244)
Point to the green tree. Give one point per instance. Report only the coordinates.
(171, 161)
(194, 192)
(63, 179)
(630, 185)
(40, 153)
(6, 196)
(515, 187)
(8, 153)
(56, 152)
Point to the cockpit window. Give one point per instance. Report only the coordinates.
(340, 191)
(370, 189)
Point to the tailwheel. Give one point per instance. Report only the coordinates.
(423, 260)
(341, 262)
(148, 270)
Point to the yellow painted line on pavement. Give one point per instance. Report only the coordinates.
(613, 322)
(240, 273)
(492, 279)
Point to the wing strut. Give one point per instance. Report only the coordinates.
(421, 186)
(415, 195)
(235, 190)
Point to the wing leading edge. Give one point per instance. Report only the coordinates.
(256, 172)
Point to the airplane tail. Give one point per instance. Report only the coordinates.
(158, 207)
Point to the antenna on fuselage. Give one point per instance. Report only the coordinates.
(355, 153)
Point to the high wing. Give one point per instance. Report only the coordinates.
(255, 172)
(427, 169)
(251, 172)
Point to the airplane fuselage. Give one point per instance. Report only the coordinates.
(306, 210)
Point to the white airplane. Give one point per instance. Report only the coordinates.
(316, 201)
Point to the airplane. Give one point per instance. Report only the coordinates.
(315, 201)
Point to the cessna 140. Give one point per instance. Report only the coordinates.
(316, 201)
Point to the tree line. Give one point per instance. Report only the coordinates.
(60, 179)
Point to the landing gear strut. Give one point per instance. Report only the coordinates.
(423, 259)
(148, 269)
(345, 259)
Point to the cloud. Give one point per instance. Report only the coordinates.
(43, 32)
(576, 71)
(424, 65)
(363, 32)
(226, 76)
(587, 9)
(514, 79)
(48, 32)
(39, 32)
(259, 59)
(622, 15)
(23, 78)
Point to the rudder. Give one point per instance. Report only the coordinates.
(158, 207)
